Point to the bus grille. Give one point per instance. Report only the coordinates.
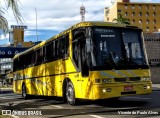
(120, 79)
(127, 79)
(135, 79)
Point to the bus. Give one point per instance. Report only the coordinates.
(90, 60)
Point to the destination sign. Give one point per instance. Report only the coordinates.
(9, 52)
(18, 27)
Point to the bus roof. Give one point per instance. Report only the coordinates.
(78, 25)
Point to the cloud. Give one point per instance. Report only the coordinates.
(32, 33)
(4, 37)
(58, 14)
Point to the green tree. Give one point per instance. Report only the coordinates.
(120, 19)
(13, 4)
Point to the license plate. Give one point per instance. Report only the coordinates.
(128, 88)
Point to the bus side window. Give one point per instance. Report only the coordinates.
(21, 62)
(39, 56)
(77, 36)
(28, 60)
(54, 52)
(33, 57)
(15, 64)
(64, 45)
(49, 52)
(61, 47)
(56, 49)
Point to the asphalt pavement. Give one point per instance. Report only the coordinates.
(141, 105)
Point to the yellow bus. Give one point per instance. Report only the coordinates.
(90, 60)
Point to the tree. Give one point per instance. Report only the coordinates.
(13, 4)
(120, 19)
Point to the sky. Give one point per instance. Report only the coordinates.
(54, 16)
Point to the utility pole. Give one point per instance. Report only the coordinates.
(36, 25)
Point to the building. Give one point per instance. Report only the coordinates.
(152, 43)
(16, 38)
(6, 65)
(144, 15)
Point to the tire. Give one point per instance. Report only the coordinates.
(70, 94)
(24, 94)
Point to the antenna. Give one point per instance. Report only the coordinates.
(112, 2)
(36, 25)
(82, 13)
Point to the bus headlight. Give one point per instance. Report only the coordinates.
(147, 87)
(145, 79)
(106, 80)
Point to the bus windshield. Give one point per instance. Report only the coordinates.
(118, 47)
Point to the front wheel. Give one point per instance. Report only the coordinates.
(70, 93)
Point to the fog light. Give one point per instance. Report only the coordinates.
(104, 90)
(147, 87)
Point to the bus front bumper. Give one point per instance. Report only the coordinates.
(125, 89)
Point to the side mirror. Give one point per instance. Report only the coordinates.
(89, 45)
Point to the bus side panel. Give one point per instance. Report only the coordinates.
(18, 80)
(54, 74)
(30, 81)
(87, 87)
(34, 79)
(17, 88)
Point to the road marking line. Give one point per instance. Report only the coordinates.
(96, 116)
(5, 98)
(14, 116)
(57, 106)
(137, 98)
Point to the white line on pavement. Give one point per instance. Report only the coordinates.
(96, 116)
(57, 106)
(14, 116)
(5, 98)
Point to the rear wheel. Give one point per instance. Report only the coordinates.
(70, 94)
(24, 94)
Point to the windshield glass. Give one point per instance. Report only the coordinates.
(133, 47)
(118, 46)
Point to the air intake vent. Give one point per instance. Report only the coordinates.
(127, 79)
